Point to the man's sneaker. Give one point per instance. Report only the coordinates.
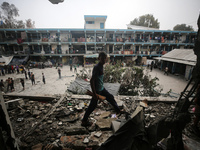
(86, 123)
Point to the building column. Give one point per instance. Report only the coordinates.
(114, 37)
(42, 51)
(134, 49)
(139, 51)
(161, 65)
(173, 68)
(95, 38)
(113, 49)
(107, 48)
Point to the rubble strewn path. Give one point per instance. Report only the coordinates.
(58, 122)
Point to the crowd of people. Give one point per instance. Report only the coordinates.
(8, 84)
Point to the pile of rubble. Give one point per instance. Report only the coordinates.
(58, 122)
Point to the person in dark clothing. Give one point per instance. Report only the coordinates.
(59, 73)
(17, 68)
(75, 70)
(12, 85)
(29, 74)
(43, 78)
(25, 74)
(97, 87)
(2, 71)
(166, 71)
(22, 82)
(1, 85)
(8, 83)
(70, 67)
(32, 78)
(152, 65)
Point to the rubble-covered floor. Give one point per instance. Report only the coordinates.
(58, 122)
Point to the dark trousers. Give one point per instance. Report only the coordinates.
(33, 81)
(93, 103)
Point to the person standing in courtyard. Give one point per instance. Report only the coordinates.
(32, 78)
(12, 85)
(75, 69)
(59, 73)
(8, 84)
(70, 67)
(22, 82)
(1, 85)
(166, 71)
(43, 78)
(152, 65)
(29, 74)
(97, 87)
(25, 74)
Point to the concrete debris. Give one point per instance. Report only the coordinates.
(144, 103)
(104, 123)
(98, 134)
(86, 140)
(115, 125)
(105, 114)
(74, 130)
(62, 126)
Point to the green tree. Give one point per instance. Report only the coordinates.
(147, 20)
(8, 14)
(30, 24)
(183, 27)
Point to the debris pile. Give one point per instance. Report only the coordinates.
(58, 122)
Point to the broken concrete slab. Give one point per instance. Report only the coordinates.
(149, 99)
(105, 114)
(115, 125)
(98, 134)
(86, 140)
(31, 97)
(73, 130)
(104, 123)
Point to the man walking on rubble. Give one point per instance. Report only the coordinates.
(97, 87)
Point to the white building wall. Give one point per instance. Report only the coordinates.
(96, 25)
(65, 48)
(183, 38)
(65, 36)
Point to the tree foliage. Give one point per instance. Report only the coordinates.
(8, 14)
(30, 24)
(147, 20)
(134, 81)
(183, 27)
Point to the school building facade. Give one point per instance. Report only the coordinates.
(62, 44)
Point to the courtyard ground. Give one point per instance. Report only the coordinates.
(54, 85)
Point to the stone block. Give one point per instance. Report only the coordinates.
(105, 123)
(105, 114)
(115, 125)
(74, 130)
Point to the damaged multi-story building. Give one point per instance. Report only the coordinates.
(61, 44)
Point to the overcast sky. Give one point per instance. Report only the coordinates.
(70, 13)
